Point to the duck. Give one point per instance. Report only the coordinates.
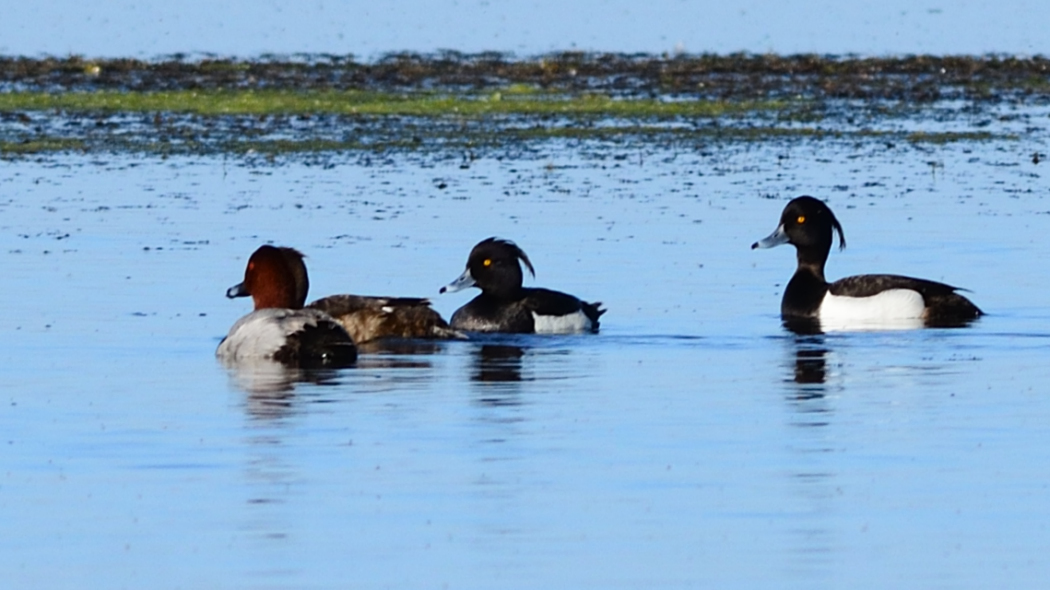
(862, 301)
(370, 318)
(504, 305)
(278, 328)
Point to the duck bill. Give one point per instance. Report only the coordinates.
(237, 290)
(773, 240)
(464, 281)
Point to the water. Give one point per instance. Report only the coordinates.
(693, 442)
(100, 28)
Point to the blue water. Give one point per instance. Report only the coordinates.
(102, 28)
(692, 443)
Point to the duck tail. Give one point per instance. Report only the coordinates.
(593, 311)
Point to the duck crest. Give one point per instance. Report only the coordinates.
(494, 266)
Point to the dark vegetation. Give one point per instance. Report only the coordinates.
(712, 77)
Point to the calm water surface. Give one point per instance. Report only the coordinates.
(148, 28)
(693, 443)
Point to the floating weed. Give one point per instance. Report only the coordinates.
(351, 102)
(949, 137)
(42, 145)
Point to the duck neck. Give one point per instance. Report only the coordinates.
(277, 298)
(812, 260)
(805, 292)
(504, 292)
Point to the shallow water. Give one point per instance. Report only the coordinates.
(693, 442)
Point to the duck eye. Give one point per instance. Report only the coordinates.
(251, 266)
(801, 219)
(487, 262)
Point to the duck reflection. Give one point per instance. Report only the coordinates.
(808, 375)
(496, 373)
(399, 346)
(270, 385)
(274, 395)
(808, 383)
(811, 367)
(499, 363)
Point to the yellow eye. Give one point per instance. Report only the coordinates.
(801, 219)
(487, 262)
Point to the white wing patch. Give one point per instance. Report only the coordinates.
(894, 309)
(263, 332)
(561, 324)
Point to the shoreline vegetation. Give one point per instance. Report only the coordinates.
(450, 100)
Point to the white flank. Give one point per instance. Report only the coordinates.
(561, 324)
(263, 332)
(895, 309)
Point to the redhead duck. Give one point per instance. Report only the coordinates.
(505, 306)
(368, 318)
(859, 301)
(279, 328)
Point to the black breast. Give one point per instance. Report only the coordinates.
(803, 295)
(487, 314)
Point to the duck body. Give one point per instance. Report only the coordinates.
(536, 311)
(297, 337)
(505, 306)
(870, 299)
(368, 318)
(279, 329)
(862, 301)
